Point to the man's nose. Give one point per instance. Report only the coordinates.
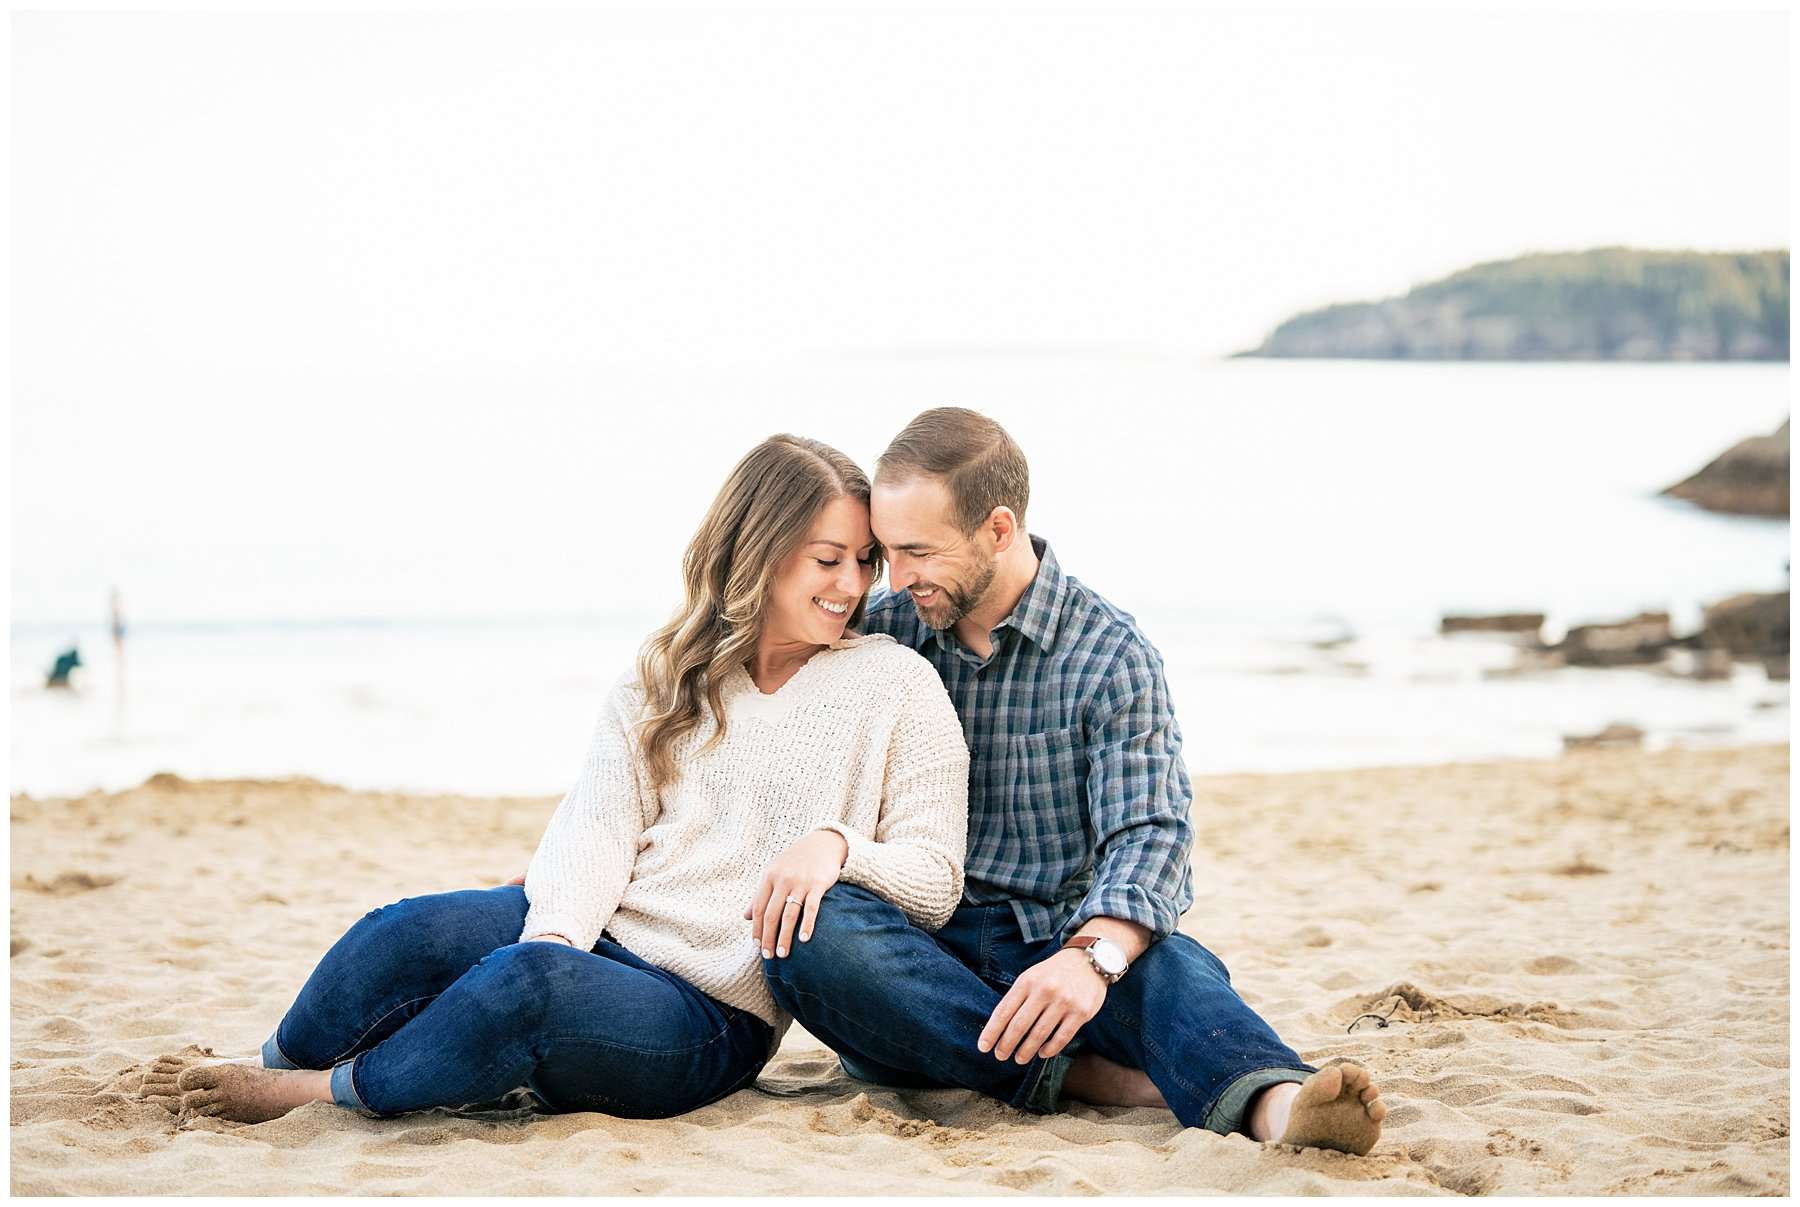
(900, 576)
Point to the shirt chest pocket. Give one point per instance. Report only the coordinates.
(1044, 791)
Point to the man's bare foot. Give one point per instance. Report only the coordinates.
(1337, 1107)
(1095, 1079)
(247, 1093)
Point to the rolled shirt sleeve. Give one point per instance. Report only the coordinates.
(1138, 799)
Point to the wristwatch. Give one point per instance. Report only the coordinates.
(1107, 957)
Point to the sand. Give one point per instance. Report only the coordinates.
(1585, 964)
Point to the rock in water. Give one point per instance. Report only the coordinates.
(1749, 478)
(1522, 623)
(1640, 640)
(1616, 734)
(1748, 626)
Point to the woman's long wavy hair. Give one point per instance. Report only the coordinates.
(761, 515)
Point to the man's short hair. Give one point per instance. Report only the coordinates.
(972, 455)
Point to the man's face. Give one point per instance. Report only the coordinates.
(946, 573)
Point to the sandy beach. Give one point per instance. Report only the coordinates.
(1584, 962)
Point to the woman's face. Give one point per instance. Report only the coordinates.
(819, 584)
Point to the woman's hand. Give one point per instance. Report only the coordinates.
(790, 890)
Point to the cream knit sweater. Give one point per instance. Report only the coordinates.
(862, 740)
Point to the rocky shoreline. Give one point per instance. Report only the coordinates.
(1744, 628)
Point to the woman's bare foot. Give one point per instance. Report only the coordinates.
(1095, 1079)
(1337, 1107)
(159, 1077)
(248, 1093)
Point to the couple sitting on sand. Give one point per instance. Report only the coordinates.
(780, 818)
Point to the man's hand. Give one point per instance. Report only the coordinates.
(1044, 1009)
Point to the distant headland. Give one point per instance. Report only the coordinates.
(1611, 303)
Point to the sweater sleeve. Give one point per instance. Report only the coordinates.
(584, 860)
(915, 859)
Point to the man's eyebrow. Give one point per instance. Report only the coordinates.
(910, 547)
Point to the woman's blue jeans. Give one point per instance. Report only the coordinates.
(903, 1007)
(433, 1001)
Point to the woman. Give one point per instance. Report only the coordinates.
(760, 753)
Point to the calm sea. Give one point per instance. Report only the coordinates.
(430, 584)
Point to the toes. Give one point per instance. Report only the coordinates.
(1369, 1093)
(1326, 1084)
(1378, 1111)
(1355, 1077)
(199, 1077)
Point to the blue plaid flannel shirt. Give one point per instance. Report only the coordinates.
(1078, 798)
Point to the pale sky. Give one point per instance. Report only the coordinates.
(565, 188)
(295, 287)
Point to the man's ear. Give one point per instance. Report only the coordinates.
(1005, 527)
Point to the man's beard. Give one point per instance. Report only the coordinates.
(956, 601)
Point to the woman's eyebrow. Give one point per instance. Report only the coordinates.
(839, 545)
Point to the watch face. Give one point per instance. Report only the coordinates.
(1109, 957)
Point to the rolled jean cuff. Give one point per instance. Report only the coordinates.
(343, 1088)
(1042, 1090)
(1231, 1112)
(272, 1055)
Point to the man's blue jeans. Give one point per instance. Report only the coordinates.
(433, 1001)
(903, 1007)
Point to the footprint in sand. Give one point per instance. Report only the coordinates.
(59, 1026)
(66, 884)
(1404, 1002)
(1554, 966)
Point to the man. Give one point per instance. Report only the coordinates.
(1062, 973)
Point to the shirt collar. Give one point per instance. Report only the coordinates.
(1038, 611)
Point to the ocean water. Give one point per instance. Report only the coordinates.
(430, 584)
